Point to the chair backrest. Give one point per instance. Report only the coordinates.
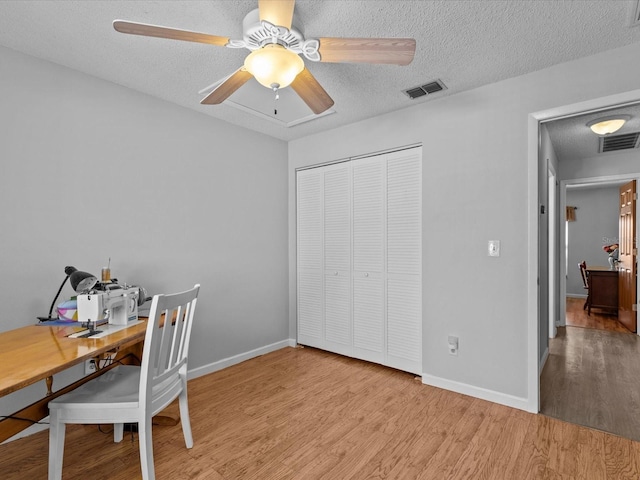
(166, 346)
(583, 273)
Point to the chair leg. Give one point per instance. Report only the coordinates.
(118, 432)
(587, 304)
(56, 446)
(184, 418)
(146, 449)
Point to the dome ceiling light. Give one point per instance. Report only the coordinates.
(608, 125)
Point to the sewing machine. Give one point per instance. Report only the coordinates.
(116, 305)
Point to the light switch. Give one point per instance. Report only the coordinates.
(494, 248)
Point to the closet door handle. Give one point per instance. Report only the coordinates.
(366, 274)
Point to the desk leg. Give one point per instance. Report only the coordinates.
(49, 382)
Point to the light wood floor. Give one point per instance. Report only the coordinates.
(591, 375)
(307, 414)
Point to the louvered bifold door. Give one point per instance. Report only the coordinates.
(337, 258)
(368, 258)
(359, 254)
(310, 270)
(404, 260)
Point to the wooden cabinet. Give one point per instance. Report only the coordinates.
(603, 289)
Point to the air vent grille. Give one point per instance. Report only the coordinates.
(613, 143)
(426, 89)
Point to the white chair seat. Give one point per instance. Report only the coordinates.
(109, 398)
(132, 394)
(120, 384)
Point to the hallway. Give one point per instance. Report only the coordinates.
(590, 377)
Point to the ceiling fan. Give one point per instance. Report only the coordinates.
(276, 40)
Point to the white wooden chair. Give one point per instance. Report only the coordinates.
(132, 394)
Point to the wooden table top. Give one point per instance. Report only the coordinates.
(33, 353)
(601, 269)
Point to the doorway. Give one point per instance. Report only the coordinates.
(555, 270)
(593, 254)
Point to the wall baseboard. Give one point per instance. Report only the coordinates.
(478, 392)
(227, 362)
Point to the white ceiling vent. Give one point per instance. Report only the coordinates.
(613, 143)
(426, 89)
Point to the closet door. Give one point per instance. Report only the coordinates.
(337, 258)
(404, 260)
(359, 256)
(369, 259)
(310, 254)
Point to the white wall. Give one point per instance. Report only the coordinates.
(596, 225)
(613, 163)
(476, 187)
(91, 170)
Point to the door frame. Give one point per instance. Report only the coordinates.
(602, 181)
(533, 270)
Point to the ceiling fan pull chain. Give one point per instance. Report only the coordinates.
(275, 100)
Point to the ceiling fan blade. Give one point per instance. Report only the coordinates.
(393, 51)
(311, 92)
(277, 12)
(146, 30)
(227, 87)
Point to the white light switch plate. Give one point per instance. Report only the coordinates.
(494, 248)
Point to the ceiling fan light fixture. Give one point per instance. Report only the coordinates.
(607, 125)
(274, 66)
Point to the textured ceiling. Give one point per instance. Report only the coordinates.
(572, 139)
(464, 43)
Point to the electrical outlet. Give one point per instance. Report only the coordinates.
(89, 366)
(453, 345)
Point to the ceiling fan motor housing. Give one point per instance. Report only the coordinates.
(257, 33)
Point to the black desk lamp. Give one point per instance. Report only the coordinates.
(80, 282)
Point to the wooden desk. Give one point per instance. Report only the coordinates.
(603, 289)
(34, 353)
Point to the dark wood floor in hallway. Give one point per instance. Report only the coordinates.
(591, 375)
